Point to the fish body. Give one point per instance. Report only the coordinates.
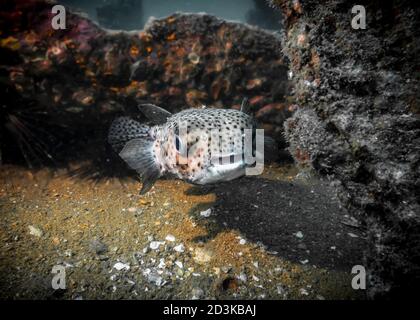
(200, 146)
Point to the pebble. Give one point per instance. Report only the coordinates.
(161, 264)
(299, 234)
(226, 269)
(114, 249)
(154, 245)
(153, 277)
(280, 289)
(303, 292)
(242, 241)
(179, 264)
(170, 238)
(35, 231)
(353, 235)
(242, 277)
(197, 293)
(179, 248)
(206, 213)
(121, 266)
(113, 277)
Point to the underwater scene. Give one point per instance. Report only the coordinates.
(209, 150)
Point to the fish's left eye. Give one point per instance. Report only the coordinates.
(177, 143)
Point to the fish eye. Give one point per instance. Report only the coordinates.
(177, 143)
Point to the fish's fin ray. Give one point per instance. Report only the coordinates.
(138, 154)
(149, 180)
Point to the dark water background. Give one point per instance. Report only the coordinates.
(133, 14)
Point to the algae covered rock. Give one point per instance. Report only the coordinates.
(357, 123)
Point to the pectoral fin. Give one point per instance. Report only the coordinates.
(138, 154)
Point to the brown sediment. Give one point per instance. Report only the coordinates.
(71, 212)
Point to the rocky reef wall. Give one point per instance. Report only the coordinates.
(85, 75)
(357, 122)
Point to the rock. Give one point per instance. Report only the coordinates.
(162, 264)
(121, 266)
(303, 292)
(114, 249)
(170, 238)
(144, 202)
(206, 213)
(153, 277)
(280, 289)
(179, 248)
(197, 293)
(242, 277)
(357, 124)
(299, 234)
(68, 253)
(154, 245)
(35, 231)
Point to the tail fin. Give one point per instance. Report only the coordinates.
(132, 141)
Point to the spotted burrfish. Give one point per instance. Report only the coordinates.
(201, 146)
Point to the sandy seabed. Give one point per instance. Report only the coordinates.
(268, 237)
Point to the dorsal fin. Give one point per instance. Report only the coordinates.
(245, 108)
(155, 114)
